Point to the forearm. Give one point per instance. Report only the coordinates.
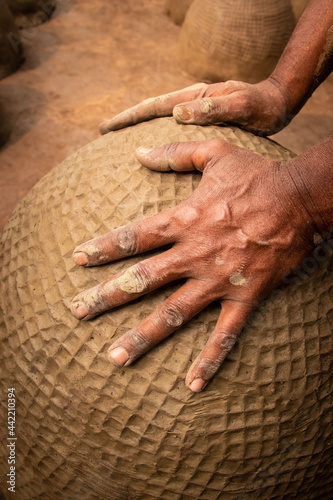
(308, 57)
(308, 183)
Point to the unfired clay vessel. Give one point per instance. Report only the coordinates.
(298, 7)
(234, 39)
(87, 430)
(31, 7)
(4, 126)
(10, 45)
(177, 9)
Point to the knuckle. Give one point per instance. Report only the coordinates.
(136, 279)
(187, 215)
(235, 85)
(140, 342)
(171, 148)
(172, 315)
(206, 105)
(225, 341)
(204, 90)
(216, 148)
(127, 240)
(216, 144)
(231, 84)
(228, 341)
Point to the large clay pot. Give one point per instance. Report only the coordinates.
(5, 128)
(32, 12)
(89, 431)
(177, 9)
(10, 45)
(298, 8)
(234, 39)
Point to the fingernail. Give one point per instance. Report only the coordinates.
(182, 113)
(79, 310)
(80, 258)
(144, 151)
(119, 355)
(197, 385)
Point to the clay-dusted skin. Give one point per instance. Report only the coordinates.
(88, 430)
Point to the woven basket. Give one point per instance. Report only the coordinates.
(234, 39)
(87, 430)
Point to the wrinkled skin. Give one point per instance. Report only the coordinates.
(248, 223)
(260, 108)
(233, 240)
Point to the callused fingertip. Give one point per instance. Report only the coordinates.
(79, 310)
(80, 258)
(105, 127)
(182, 113)
(197, 385)
(118, 355)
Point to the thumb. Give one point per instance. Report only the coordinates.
(184, 156)
(230, 108)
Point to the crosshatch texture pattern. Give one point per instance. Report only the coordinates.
(88, 430)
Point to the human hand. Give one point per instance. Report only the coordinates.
(234, 239)
(260, 108)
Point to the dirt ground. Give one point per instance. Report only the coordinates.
(89, 62)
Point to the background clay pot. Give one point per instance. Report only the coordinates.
(4, 126)
(177, 9)
(10, 46)
(234, 40)
(32, 11)
(298, 8)
(87, 430)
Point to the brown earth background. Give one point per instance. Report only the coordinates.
(89, 62)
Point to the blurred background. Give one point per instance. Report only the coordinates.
(84, 62)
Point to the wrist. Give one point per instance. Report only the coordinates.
(280, 95)
(305, 188)
(293, 96)
(269, 109)
(307, 58)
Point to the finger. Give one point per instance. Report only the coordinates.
(128, 285)
(175, 311)
(220, 343)
(138, 237)
(184, 156)
(151, 108)
(232, 108)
